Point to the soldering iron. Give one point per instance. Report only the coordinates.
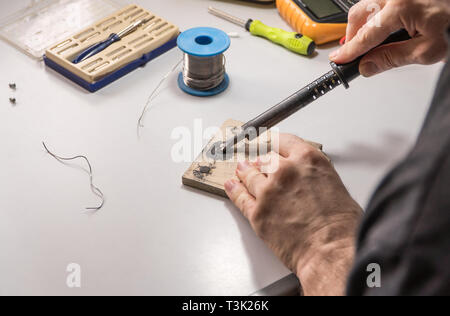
(339, 75)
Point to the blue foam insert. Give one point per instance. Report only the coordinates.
(110, 78)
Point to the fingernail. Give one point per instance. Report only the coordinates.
(242, 166)
(369, 69)
(229, 185)
(334, 54)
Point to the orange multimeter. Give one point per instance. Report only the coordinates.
(322, 20)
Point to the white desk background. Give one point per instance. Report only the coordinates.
(155, 236)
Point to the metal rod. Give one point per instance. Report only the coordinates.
(132, 27)
(227, 17)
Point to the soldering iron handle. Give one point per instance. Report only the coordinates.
(350, 71)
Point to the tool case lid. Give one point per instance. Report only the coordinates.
(45, 22)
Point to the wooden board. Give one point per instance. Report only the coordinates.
(145, 39)
(221, 171)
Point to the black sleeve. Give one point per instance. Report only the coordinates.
(406, 230)
(411, 248)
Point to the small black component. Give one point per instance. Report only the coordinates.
(202, 171)
(13, 100)
(205, 169)
(13, 86)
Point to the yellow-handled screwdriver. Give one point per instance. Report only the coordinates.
(293, 41)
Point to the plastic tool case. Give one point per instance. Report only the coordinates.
(58, 30)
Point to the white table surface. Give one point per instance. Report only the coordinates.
(154, 236)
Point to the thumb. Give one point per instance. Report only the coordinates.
(394, 55)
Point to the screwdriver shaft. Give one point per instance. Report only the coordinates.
(227, 17)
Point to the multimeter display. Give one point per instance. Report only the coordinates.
(322, 8)
(322, 20)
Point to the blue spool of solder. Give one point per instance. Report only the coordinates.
(203, 42)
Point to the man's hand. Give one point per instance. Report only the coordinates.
(302, 211)
(425, 20)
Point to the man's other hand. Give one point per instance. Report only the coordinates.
(303, 212)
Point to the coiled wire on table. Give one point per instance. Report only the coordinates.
(203, 73)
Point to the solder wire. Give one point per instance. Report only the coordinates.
(203, 73)
(94, 189)
(153, 95)
(199, 73)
